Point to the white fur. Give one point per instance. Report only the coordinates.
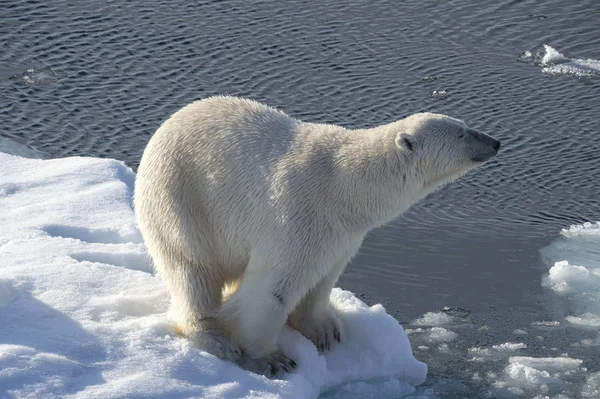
(232, 192)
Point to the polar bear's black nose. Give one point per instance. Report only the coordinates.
(485, 139)
(483, 147)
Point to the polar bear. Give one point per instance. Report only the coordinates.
(251, 215)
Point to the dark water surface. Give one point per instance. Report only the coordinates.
(106, 74)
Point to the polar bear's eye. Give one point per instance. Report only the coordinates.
(460, 136)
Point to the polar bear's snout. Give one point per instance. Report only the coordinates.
(484, 147)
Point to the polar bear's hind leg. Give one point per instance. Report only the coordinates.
(195, 300)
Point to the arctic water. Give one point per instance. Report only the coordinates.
(467, 270)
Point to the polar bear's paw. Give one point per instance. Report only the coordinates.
(271, 366)
(324, 329)
(217, 343)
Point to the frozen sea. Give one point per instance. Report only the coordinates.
(476, 272)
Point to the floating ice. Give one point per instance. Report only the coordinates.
(554, 62)
(548, 364)
(547, 323)
(530, 377)
(575, 275)
(509, 347)
(83, 316)
(439, 94)
(587, 229)
(499, 351)
(585, 319)
(553, 357)
(552, 56)
(434, 319)
(434, 334)
(591, 389)
(526, 57)
(589, 342)
(574, 279)
(446, 316)
(37, 76)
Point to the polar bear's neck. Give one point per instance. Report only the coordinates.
(377, 180)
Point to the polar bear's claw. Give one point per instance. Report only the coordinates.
(216, 343)
(271, 366)
(323, 329)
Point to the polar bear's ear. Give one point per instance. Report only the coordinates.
(405, 141)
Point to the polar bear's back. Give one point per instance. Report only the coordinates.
(229, 125)
(225, 143)
(209, 173)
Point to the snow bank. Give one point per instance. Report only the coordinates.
(83, 316)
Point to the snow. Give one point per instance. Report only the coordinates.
(82, 314)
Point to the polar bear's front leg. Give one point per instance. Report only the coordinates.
(314, 316)
(255, 314)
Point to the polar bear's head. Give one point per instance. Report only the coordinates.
(442, 148)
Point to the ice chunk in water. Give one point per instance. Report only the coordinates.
(591, 388)
(552, 56)
(439, 94)
(553, 62)
(526, 57)
(577, 279)
(434, 334)
(37, 76)
(434, 319)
